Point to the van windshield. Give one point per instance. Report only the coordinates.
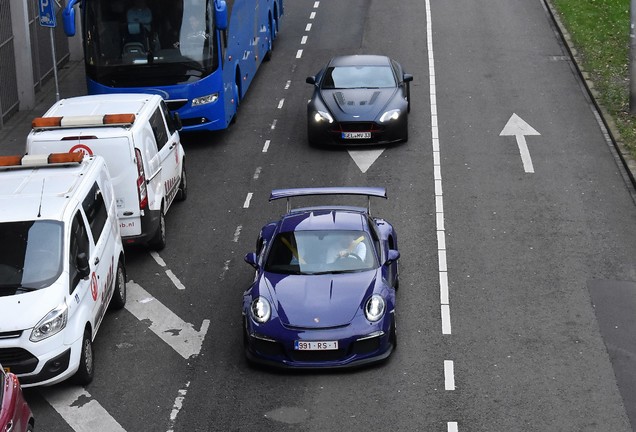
(30, 256)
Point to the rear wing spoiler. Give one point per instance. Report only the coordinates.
(369, 192)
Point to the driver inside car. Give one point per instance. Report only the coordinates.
(349, 245)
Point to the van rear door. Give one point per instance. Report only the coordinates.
(120, 159)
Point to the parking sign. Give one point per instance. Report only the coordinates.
(47, 13)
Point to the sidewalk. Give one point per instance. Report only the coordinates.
(71, 82)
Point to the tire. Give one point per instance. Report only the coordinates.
(393, 334)
(30, 428)
(118, 301)
(182, 193)
(158, 241)
(272, 35)
(84, 374)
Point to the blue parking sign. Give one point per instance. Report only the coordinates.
(47, 13)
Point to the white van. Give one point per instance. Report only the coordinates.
(61, 264)
(139, 139)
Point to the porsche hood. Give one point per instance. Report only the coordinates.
(321, 301)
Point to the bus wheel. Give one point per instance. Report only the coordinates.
(270, 47)
(236, 93)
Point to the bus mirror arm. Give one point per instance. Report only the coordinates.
(68, 18)
(220, 14)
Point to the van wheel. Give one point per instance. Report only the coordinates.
(119, 295)
(158, 242)
(84, 374)
(182, 193)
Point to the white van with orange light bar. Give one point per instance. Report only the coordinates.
(140, 141)
(61, 264)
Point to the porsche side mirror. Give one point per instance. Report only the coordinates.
(250, 258)
(393, 256)
(407, 77)
(311, 80)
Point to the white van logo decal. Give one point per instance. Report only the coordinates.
(94, 286)
(81, 148)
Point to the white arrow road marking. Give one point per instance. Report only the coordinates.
(80, 410)
(180, 335)
(519, 128)
(365, 158)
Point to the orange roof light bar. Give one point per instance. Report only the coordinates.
(83, 121)
(40, 160)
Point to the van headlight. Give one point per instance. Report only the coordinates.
(53, 323)
(203, 100)
(374, 309)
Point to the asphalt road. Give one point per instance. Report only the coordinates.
(504, 252)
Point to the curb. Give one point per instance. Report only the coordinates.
(622, 152)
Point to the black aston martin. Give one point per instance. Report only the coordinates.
(359, 100)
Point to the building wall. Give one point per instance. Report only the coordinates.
(26, 57)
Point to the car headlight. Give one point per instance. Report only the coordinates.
(205, 99)
(375, 307)
(390, 115)
(53, 323)
(260, 310)
(320, 116)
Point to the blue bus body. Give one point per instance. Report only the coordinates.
(199, 55)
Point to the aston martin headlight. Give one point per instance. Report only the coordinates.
(375, 307)
(260, 310)
(53, 323)
(320, 116)
(390, 115)
(203, 100)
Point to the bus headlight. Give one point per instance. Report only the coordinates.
(203, 100)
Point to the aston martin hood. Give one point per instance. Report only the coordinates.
(366, 103)
(321, 301)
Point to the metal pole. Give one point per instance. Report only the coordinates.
(57, 88)
(632, 58)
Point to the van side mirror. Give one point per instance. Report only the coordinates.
(177, 121)
(83, 268)
(250, 258)
(393, 256)
(220, 14)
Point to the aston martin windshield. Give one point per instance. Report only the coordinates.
(347, 77)
(31, 255)
(320, 252)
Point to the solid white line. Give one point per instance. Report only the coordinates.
(446, 323)
(281, 103)
(308, 27)
(78, 408)
(441, 240)
(449, 375)
(246, 204)
(303, 40)
(299, 53)
(452, 427)
(266, 146)
(440, 221)
(442, 260)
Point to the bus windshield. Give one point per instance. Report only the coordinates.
(171, 41)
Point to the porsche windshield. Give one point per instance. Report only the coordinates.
(320, 252)
(31, 255)
(171, 41)
(348, 77)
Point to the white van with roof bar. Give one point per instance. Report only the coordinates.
(61, 264)
(140, 141)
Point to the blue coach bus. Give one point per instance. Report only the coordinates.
(199, 55)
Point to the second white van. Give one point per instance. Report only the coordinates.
(138, 138)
